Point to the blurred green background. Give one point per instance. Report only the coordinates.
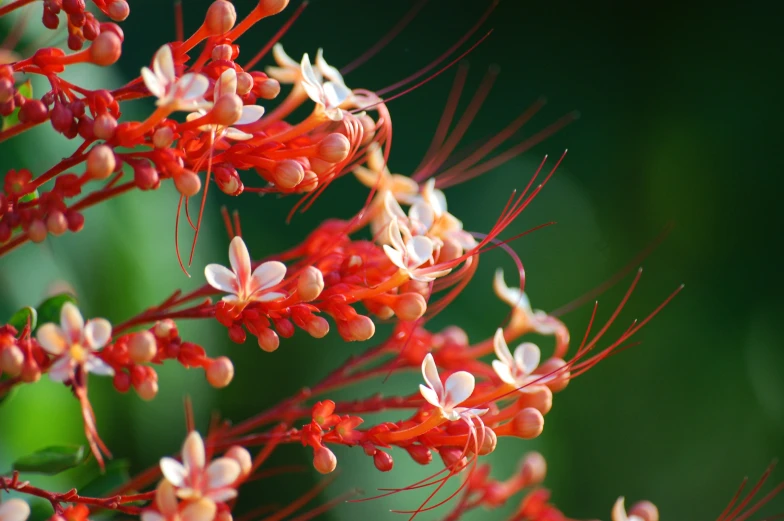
(680, 123)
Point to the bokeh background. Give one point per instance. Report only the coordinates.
(680, 124)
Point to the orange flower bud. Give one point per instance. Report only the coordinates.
(101, 162)
(220, 372)
(142, 347)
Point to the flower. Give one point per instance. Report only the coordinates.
(515, 370)
(376, 175)
(330, 94)
(457, 388)
(186, 93)
(75, 343)
(227, 86)
(538, 320)
(411, 253)
(619, 512)
(243, 285)
(193, 480)
(288, 70)
(14, 510)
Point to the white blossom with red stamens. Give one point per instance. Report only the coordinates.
(409, 252)
(517, 369)
(329, 95)
(539, 321)
(227, 86)
(75, 343)
(242, 285)
(193, 479)
(447, 396)
(185, 93)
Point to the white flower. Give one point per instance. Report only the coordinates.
(376, 175)
(193, 480)
(227, 86)
(515, 370)
(330, 94)
(288, 70)
(619, 512)
(457, 388)
(75, 343)
(242, 285)
(538, 320)
(186, 93)
(410, 253)
(14, 510)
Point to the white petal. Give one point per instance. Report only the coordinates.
(222, 494)
(367, 177)
(310, 82)
(153, 83)
(544, 324)
(422, 214)
(504, 372)
(193, 456)
(429, 395)
(236, 135)
(222, 472)
(285, 76)
(281, 58)
(97, 366)
(14, 510)
(327, 70)
(502, 349)
(458, 387)
(192, 86)
(250, 114)
(72, 322)
(221, 278)
(395, 236)
(62, 369)
(334, 114)
(619, 511)
(173, 471)
(435, 198)
(269, 296)
(97, 333)
(395, 256)
(420, 250)
(240, 261)
(335, 94)
(504, 292)
(430, 374)
(267, 275)
(163, 64)
(392, 207)
(52, 339)
(527, 356)
(226, 84)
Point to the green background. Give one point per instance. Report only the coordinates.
(679, 125)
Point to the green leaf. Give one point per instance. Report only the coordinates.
(49, 309)
(26, 90)
(7, 395)
(117, 473)
(20, 318)
(40, 509)
(51, 460)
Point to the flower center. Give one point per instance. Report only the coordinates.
(79, 353)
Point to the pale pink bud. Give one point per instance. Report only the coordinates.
(227, 110)
(142, 347)
(268, 340)
(56, 223)
(488, 440)
(37, 231)
(14, 510)
(560, 377)
(222, 52)
(244, 83)
(410, 306)
(220, 372)
(101, 162)
(11, 360)
(118, 10)
(164, 328)
(455, 335)
(187, 183)
(309, 182)
(361, 328)
(534, 468)
(319, 166)
(334, 148)
(147, 390)
(202, 510)
(268, 89)
(106, 49)
(539, 397)
(221, 17)
(324, 460)
(163, 137)
(104, 126)
(270, 7)
(242, 457)
(310, 284)
(527, 424)
(288, 173)
(318, 327)
(645, 510)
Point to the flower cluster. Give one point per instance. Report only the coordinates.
(401, 259)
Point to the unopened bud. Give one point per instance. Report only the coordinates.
(488, 441)
(319, 166)
(534, 469)
(163, 137)
(244, 83)
(37, 231)
(31, 373)
(420, 454)
(410, 306)
(268, 88)
(310, 284)
(142, 347)
(118, 10)
(361, 328)
(147, 390)
(242, 457)
(334, 148)
(559, 378)
(227, 110)
(645, 510)
(33, 111)
(101, 162)
(228, 180)
(164, 329)
(527, 424)
(368, 128)
(540, 397)
(11, 360)
(221, 17)
(324, 460)
(7, 90)
(453, 458)
(106, 49)
(146, 177)
(104, 126)
(222, 52)
(268, 340)
(383, 461)
(187, 183)
(309, 182)
(288, 173)
(56, 223)
(220, 372)
(317, 327)
(455, 335)
(202, 510)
